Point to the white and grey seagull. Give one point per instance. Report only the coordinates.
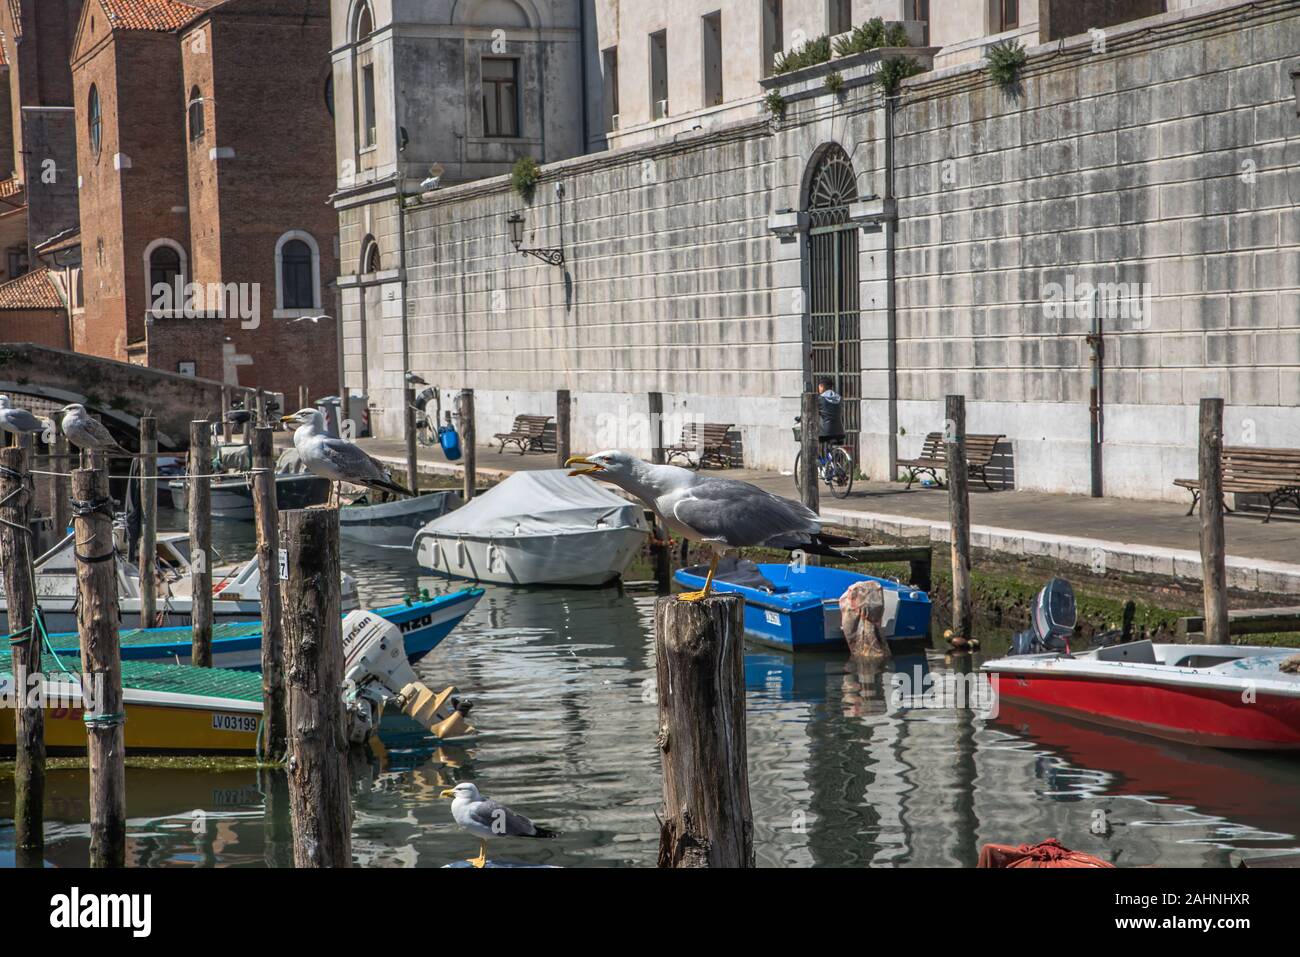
(14, 419)
(336, 459)
(486, 819)
(725, 514)
(88, 433)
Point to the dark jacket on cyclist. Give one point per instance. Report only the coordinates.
(830, 406)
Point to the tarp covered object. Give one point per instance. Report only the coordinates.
(1048, 853)
(539, 503)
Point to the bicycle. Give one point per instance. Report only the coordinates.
(834, 465)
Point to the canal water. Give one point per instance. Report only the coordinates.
(845, 769)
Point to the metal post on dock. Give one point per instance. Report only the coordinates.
(319, 800)
(809, 430)
(699, 673)
(101, 664)
(146, 559)
(958, 512)
(60, 460)
(16, 491)
(467, 441)
(412, 465)
(563, 410)
(304, 396)
(1213, 561)
(200, 520)
(266, 518)
(656, 407)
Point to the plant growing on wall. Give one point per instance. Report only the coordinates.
(834, 82)
(871, 36)
(1005, 60)
(775, 104)
(524, 176)
(894, 70)
(812, 52)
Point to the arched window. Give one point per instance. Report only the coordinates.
(370, 260)
(832, 188)
(95, 121)
(365, 22)
(297, 273)
(165, 264)
(196, 115)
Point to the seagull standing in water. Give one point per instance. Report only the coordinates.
(487, 819)
(17, 420)
(88, 433)
(725, 514)
(336, 459)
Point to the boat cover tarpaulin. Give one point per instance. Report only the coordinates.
(539, 503)
(1048, 853)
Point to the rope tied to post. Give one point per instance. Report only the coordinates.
(85, 509)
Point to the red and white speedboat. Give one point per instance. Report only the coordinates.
(1222, 696)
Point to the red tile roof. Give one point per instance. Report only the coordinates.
(16, 13)
(33, 290)
(161, 15)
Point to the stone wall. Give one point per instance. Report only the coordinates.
(1128, 166)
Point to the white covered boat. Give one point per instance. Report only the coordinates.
(236, 589)
(536, 528)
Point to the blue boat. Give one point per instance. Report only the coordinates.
(797, 607)
(238, 645)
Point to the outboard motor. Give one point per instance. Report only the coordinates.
(1053, 620)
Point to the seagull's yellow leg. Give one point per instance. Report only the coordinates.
(481, 860)
(708, 585)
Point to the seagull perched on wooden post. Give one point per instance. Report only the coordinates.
(336, 459)
(485, 818)
(722, 513)
(88, 433)
(18, 421)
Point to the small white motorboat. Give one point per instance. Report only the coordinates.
(536, 528)
(236, 588)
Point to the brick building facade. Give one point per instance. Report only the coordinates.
(204, 135)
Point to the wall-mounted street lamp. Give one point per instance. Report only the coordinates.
(554, 257)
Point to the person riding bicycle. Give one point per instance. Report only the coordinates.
(830, 408)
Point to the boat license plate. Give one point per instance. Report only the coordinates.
(234, 722)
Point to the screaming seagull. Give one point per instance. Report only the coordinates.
(336, 459)
(486, 818)
(13, 419)
(88, 433)
(723, 513)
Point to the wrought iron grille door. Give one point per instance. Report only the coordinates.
(835, 334)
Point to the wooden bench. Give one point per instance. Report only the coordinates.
(526, 433)
(934, 457)
(1273, 473)
(708, 442)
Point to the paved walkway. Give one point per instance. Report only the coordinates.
(1101, 535)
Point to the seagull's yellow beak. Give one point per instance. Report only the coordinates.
(448, 793)
(583, 460)
(286, 419)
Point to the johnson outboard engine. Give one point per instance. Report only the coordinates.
(1054, 617)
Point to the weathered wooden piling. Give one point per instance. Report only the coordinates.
(225, 415)
(655, 405)
(101, 665)
(16, 553)
(200, 522)
(412, 466)
(319, 799)
(958, 513)
(563, 422)
(145, 559)
(810, 421)
(259, 410)
(1213, 559)
(266, 518)
(468, 439)
(699, 671)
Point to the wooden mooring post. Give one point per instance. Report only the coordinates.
(101, 665)
(699, 672)
(958, 513)
(468, 439)
(412, 465)
(319, 799)
(266, 518)
(16, 553)
(1214, 572)
(225, 415)
(200, 522)
(60, 461)
(563, 422)
(810, 420)
(146, 558)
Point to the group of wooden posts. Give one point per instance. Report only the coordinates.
(302, 651)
